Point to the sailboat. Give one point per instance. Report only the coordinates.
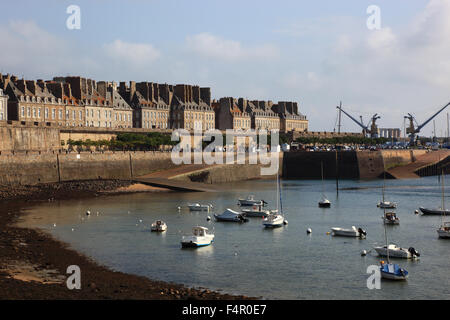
(324, 203)
(388, 217)
(275, 220)
(391, 271)
(444, 229)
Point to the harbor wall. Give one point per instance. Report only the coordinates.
(35, 168)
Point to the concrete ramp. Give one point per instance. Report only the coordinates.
(409, 171)
(177, 185)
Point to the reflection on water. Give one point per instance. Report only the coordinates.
(281, 263)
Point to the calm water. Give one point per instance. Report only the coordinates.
(284, 263)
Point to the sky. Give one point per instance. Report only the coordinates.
(317, 53)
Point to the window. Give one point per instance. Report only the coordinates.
(23, 112)
(60, 114)
(46, 113)
(39, 113)
(53, 113)
(28, 112)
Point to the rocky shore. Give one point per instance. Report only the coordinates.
(33, 265)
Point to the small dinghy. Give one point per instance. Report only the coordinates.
(230, 216)
(251, 201)
(324, 203)
(394, 251)
(257, 211)
(159, 226)
(392, 271)
(386, 205)
(200, 237)
(200, 207)
(390, 218)
(353, 232)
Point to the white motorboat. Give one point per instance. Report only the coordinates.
(257, 211)
(397, 252)
(275, 220)
(250, 201)
(230, 216)
(390, 218)
(200, 237)
(386, 205)
(200, 207)
(444, 231)
(159, 226)
(353, 232)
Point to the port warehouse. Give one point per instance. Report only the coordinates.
(32, 154)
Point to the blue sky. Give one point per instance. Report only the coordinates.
(314, 52)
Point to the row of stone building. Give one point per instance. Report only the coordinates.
(80, 102)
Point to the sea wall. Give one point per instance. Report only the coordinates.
(28, 137)
(35, 168)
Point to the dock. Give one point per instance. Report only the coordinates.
(410, 171)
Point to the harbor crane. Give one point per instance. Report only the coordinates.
(372, 131)
(413, 131)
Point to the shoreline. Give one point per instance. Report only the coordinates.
(33, 264)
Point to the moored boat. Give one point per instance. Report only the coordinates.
(200, 237)
(397, 252)
(386, 205)
(390, 218)
(200, 207)
(250, 201)
(444, 231)
(257, 211)
(230, 216)
(434, 212)
(392, 271)
(159, 226)
(353, 232)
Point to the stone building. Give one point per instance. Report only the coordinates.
(290, 118)
(191, 108)
(74, 110)
(262, 116)
(150, 109)
(122, 113)
(3, 106)
(98, 111)
(229, 115)
(30, 100)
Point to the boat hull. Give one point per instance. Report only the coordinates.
(346, 233)
(249, 203)
(433, 212)
(443, 234)
(394, 253)
(390, 276)
(324, 204)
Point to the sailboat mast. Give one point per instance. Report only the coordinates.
(279, 188)
(321, 170)
(385, 238)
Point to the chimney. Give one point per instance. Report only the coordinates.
(31, 86)
(76, 85)
(89, 86)
(180, 92)
(156, 91)
(101, 88)
(242, 104)
(196, 94)
(21, 85)
(83, 86)
(164, 92)
(67, 90)
(205, 95)
(132, 89)
(42, 84)
(56, 88)
(295, 108)
(142, 88)
(289, 106)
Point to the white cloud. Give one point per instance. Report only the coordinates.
(136, 54)
(211, 46)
